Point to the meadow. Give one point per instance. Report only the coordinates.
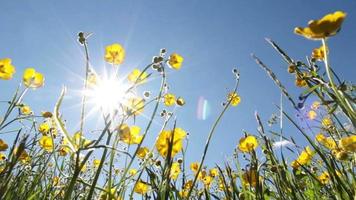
(47, 161)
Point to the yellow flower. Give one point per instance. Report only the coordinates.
(249, 178)
(327, 26)
(324, 178)
(141, 188)
(96, 163)
(25, 110)
(194, 167)
(248, 144)
(130, 135)
(180, 101)
(2, 157)
(169, 99)
(23, 156)
(3, 145)
(312, 114)
(114, 54)
(136, 76)
(318, 53)
(165, 138)
(348, 143)
(109, 195)
(32, 79)
(6, 69)
(186, 188)
(304, 158)
(327, 142)
(135, 105)
(56, 180)
(292, 68)
(340, 154)
(84, 168)
(234, 98)
(214, 172)
(175, 170)
(142, 152)
(44, 128)
(327, 122)
(207, 181)
(46, 142)
(92, 79)
(315, 105)
(300, 82)
(64, 148)
(132, 172)
(175, 61)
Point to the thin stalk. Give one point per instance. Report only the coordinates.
(82, 115)
(209, 138)
(348, 107)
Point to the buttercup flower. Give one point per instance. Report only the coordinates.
(327, 122)
(312, 114)
(292, 68)
(300, 82)
(194, 166)
(324, 178)
(56, 180)
(136, 76)
(25, 110)
(7, 70)
(130, 135)
(348, 143)
(135, 105)
(92, 79)
(142, 152)
(175, 61)
(96, 163)
(46, 142)
(2, 157)
(169, 99)
(315, 105)
(64, 148)
(175, 170)
(327, 26)
(207, 181)
(132, 172)
(44, 128)
(304, 158)
(249, 178)
(165, 138)
(328, 142)
(248, 144)
(32, 79)
(318, 53)
(114, 54)
(141, 188)
(214, 172)
(234, 98)
(3, 145)
(23, 157)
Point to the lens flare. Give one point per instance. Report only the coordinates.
(203, 109)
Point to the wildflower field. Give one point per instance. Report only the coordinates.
(43, 157)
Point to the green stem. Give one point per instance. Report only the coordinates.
(345, 105)
(208, 140)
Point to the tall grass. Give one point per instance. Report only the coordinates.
(47, 161)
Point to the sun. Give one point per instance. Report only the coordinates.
(108, 94)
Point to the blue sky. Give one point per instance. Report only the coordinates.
(213, 37)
